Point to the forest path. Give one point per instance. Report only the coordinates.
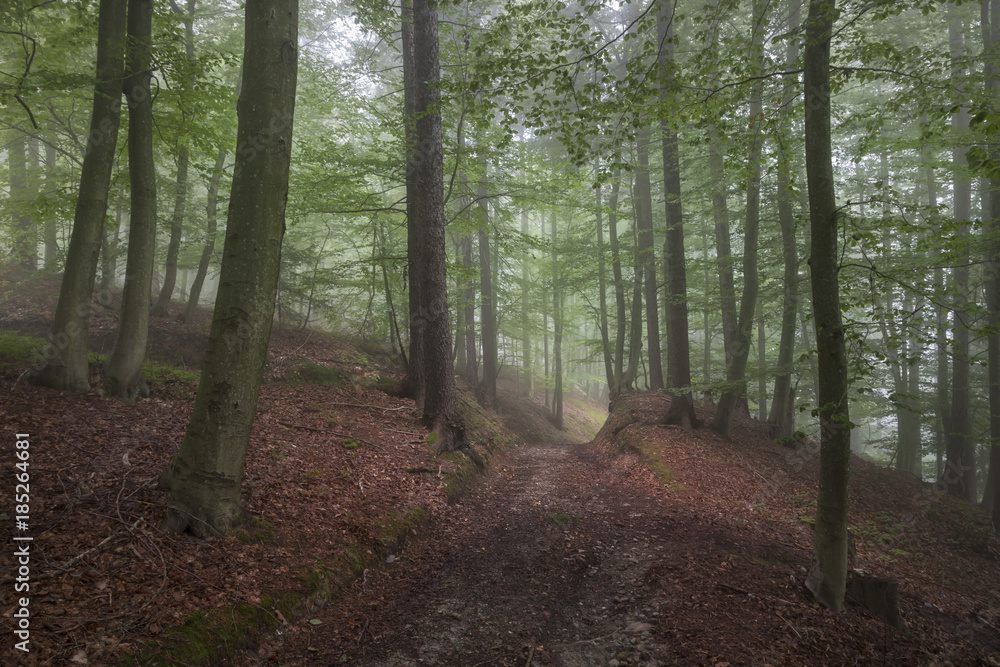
(545, 559)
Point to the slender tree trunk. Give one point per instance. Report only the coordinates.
(828, 578)
(65, 362)
(557, 326)
(529, 375)
(720, 209)
(211, 231)
(681, 410)
(123, 368)
(206, 475)
(602, 285)
(109, 251)
(960, 473)
(415, 381)
(487, 304)
(781, 422)
(735, 387)
(49, 230)
(991, 32)
(160, 308)
(761, 369)
(616, 271)
(647, 258)
(23, 232)
(635, 326)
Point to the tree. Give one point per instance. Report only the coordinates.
(123, 368)
(828, 577)
(644, 224)
(65, 364)
(429, 275)
(206, 475)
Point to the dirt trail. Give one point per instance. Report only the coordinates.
(546, 559)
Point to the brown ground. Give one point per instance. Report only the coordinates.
(652, 545)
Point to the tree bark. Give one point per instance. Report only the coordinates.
(557, 331)
(65, 361)
(780, 425)
(415, 382)
(828, 577)
(960, 472)
(49, 230)
(529, 375)
(616, 272)
(487, 303)
(735, 387)
(681, 410)
(162, 304)
(647, 258)
(206, 475)
(991, 32)
(123, 368)
(440, 409)
(602, 286)
(24, 234)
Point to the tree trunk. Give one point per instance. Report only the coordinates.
(602, 286)
(211, 231)
(960, 473)
(206, 475)
(123, 368)
(529, 375)
(828, 578)
(65, 361)
(647, 258)
(109, 251)
(779, 425)
(735, 387)
(616, 271)
(49, 229)
(440, 409)
(415, 381)
(557, 334)
(635, 326)
(991, 32)
(24, 254)
(487, 303)
(681, 410)
(160, 308)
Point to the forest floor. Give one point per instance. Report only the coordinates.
(649, 545)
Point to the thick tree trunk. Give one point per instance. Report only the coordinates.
(681, 410)
(123, 368)
(647, 258)
(206, 475)
(65, 361)
(828, 578)
(991, 32)
(735, 387)
(440, 410)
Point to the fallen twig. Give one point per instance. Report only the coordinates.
(336, 433)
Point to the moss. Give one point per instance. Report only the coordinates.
(312, 373)
(257, 531)
(18, 350)
(432, 439)
(350, 443)
(562, 519)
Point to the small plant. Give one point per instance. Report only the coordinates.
(350, 443)
(561, 519)
(312, 373)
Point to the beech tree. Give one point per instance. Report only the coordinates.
(828, 577)
(205, 476)
(65, 365)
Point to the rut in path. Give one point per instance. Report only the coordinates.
(546, 560)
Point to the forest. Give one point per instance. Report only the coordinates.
(767, 231)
